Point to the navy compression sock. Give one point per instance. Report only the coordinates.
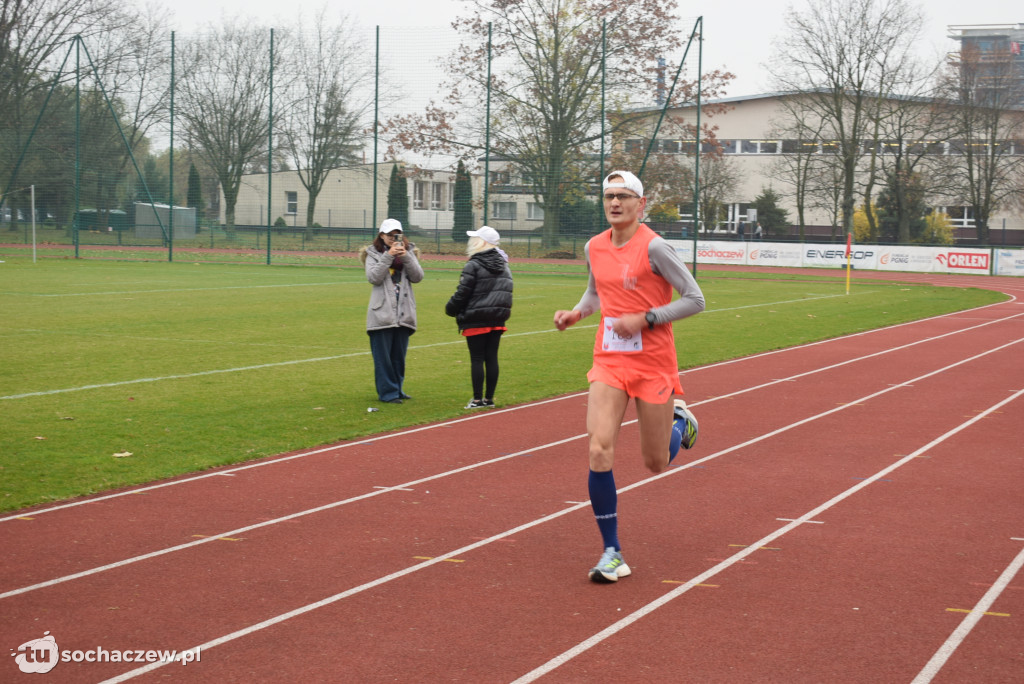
(604, 500)
(678, 426)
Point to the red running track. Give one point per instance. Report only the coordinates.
(851, 513)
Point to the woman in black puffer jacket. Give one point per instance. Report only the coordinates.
(481, 304)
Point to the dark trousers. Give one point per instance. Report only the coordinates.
(388, 347)
(483, 363)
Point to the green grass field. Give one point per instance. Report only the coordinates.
(191, 365)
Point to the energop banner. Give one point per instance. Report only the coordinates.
(868, 257)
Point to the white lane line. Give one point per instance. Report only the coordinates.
(266, 523)
(611, 629)
(831, 340)
(691, 464)
(933, 666)
(633, 617)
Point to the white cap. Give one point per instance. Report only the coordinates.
(487, 234)
(390, 226)
(629, 182)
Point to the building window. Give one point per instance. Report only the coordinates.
(291, 200)
(437, 196)
(960, 217)
(501, 178)
(957, 147)
(503, 210)
(451, 197)
(799, 147)
(534, 211)
(419, 195)
(759, 146)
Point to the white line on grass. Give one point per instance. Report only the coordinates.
(262, 366)
(275, 461)
(183, 289)
(614, 628)
(265, 523)
(293, 362)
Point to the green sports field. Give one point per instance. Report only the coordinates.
(115, 373)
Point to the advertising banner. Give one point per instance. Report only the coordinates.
(775, 254)
(834, 256)
(1009, 262)
(915, 259)
(964, 260)
(904, 258)
(721, 252)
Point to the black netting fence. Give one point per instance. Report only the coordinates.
(303, 139)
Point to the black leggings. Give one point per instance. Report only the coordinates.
(483, 362)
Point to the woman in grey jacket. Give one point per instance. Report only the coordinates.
(391, 267)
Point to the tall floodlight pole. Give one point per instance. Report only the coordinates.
(376, 128)
(696, 168)
(170, 190)
(33, 208)
(270, 147)
(487, 127)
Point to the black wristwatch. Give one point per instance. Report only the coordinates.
(651, 320)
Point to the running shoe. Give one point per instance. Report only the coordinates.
(610, 568)
(680, 412)
(478, 403)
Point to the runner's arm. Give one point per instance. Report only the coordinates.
(666, 263)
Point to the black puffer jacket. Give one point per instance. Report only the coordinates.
(483, 298)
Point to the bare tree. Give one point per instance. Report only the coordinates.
(719, 178)
(35, 38)
(826, 189)
(903, 149)
(844, 55)
(325, 122)
(799, 132)
(546, 85)
(224, 101)
(981, 118)
(132, 69)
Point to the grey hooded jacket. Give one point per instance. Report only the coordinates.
(391, 304)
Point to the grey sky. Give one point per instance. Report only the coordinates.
(738, 34)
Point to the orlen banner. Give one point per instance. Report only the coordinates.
(964, 260)
(934, 259)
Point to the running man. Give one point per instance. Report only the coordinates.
(633, 272)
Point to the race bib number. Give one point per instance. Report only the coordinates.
(613, 342)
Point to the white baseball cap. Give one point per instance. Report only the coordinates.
(487, 234)
(629, 182)
(391, 226)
